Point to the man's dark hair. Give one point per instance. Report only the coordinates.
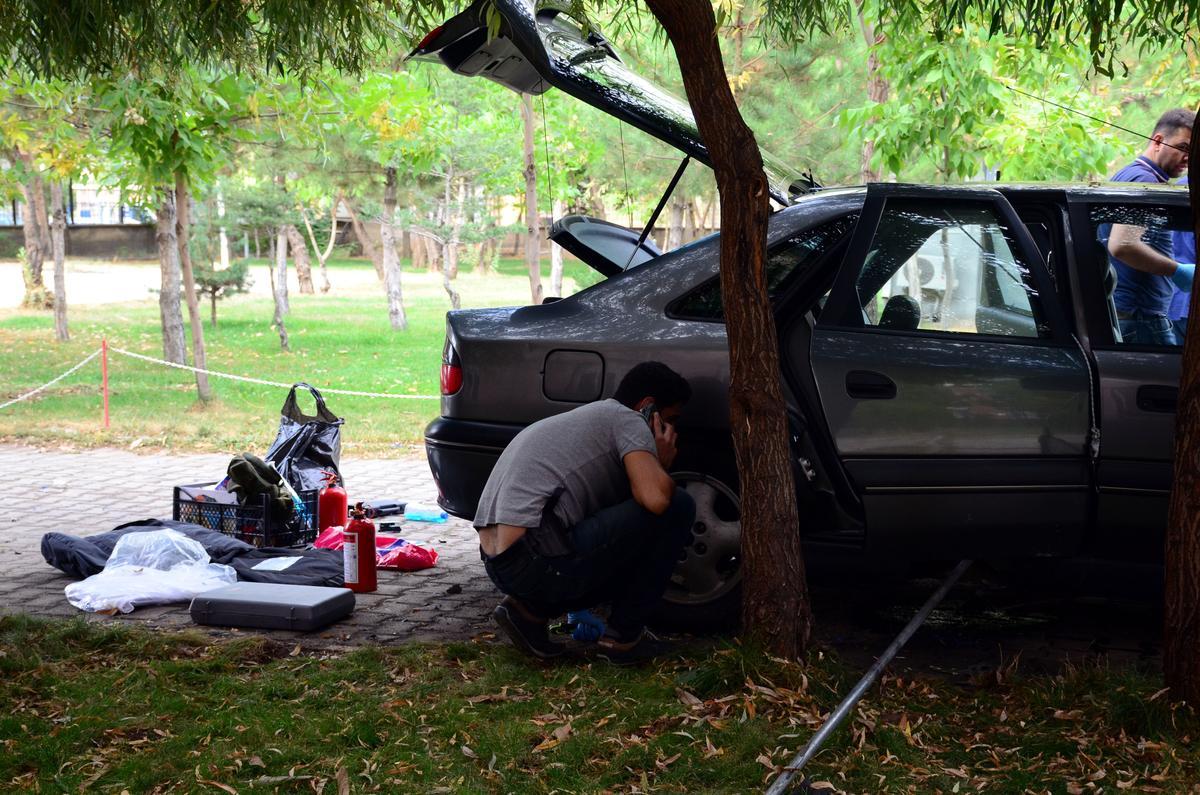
(656, 380)
(1175, 119)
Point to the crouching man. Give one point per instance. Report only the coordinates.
(580, 511)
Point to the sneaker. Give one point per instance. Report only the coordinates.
(643, 648)
(527, 633)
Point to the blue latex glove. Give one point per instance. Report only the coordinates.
(588, 625)
(1183, 275)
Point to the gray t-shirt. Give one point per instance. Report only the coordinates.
(581, 450)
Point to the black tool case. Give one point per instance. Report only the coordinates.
(272, 606)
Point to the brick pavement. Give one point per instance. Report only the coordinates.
(92, 491)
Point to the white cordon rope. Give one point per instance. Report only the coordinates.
(249, 380)
(44, 387)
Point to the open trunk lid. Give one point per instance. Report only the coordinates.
(534, 50)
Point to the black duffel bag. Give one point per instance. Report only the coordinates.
(307, 447)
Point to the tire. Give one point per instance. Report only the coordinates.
(705, 590)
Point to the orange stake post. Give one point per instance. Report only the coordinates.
(104, 376)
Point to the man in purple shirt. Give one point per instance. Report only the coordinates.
(1147, 272)
(1183, 247)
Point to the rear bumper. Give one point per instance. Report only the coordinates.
(461, 456)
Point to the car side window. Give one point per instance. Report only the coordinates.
(952, 269)
(1142, 307)
(786, 261)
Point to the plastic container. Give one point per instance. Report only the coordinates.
(416, 512)
(272, 606)
(252, 522)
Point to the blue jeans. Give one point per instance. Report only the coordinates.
(1142, 328)
(1179, 326)
(623, 555)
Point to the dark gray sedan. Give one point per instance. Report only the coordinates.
(954, 373)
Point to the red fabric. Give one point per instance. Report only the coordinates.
(391, 552)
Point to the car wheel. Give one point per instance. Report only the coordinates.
(704, 593)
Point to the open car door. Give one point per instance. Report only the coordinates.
(956, 397)
(1138, 382)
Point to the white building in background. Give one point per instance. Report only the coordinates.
(92, 204)
(87, 205)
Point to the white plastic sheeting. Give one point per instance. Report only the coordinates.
(151, 568)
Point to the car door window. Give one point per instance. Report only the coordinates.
(786, 262)
(951, 269)
(1142, 308)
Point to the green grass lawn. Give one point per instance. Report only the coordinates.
(94, 707)
(341, 340)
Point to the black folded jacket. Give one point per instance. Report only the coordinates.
(81, 557)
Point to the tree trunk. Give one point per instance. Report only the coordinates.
(1181, 633)
(58, 245)
(433, 252)
(300, 257)
(368, 245)
(533, 237)
(556, 264)
(183, 213)
(420, 254)
(457, 219)
(323, 256)
(391, 259)
(279, 297)
(222, 237)
(174, 345)
(675, 226)
(281, 284)
(257, 245)
(775, 605)
(877, 87)
(483, 264)
(36, 230)
(450, 245)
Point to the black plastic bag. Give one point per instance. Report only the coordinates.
(307, 447)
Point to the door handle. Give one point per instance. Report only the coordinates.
(869, 385)
(1160, 399)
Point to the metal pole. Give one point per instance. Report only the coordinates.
(104, 376)
(780, 785)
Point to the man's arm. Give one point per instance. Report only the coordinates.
(1126, 244)
(652, 486)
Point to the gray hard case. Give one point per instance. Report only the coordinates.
(272, 606)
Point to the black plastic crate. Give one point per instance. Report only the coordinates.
(251, 523)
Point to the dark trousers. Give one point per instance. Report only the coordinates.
(623, 555)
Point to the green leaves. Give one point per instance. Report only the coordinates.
(950, 106)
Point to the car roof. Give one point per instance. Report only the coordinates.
(1090, 190)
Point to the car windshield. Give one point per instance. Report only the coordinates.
(634, 98)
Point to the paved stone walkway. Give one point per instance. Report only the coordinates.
(981, 625)
(93, 491)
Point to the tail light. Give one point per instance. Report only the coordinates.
(429, 37)
(452, 374)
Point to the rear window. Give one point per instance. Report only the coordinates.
(786, 262)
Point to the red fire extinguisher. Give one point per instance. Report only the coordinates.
(331, 503)
(358, 552)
